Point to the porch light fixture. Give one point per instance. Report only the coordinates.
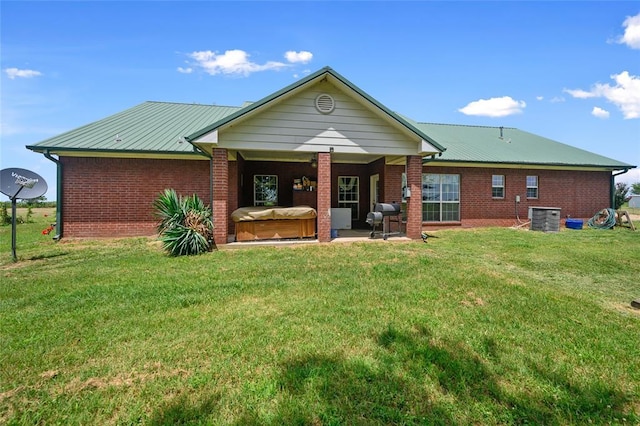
(314, 161)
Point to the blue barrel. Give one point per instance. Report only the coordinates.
(574, 223)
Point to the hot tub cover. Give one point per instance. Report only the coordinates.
(248, 214)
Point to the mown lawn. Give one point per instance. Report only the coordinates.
(486, 326)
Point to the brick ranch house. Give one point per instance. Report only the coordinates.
(352, 149)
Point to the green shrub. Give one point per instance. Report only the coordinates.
(5, 217)
(185, 224)
(621, 195)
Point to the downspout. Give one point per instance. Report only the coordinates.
(59, 203)
(612, 187)
(429, 159)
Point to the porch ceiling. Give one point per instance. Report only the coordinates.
(305, 157)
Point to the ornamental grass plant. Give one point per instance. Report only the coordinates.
(185, 224)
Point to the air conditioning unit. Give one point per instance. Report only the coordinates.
(546, 219)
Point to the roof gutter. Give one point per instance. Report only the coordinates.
(612, 186)
(59, 203)
(429, 158)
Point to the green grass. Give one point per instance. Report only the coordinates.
(485, 326)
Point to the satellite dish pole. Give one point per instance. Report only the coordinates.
(16, 181)
(13, 225)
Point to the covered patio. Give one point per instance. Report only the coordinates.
(323, 129)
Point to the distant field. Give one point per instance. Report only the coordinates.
(38, 213)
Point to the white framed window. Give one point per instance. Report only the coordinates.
(349, 194)
(440, 197)
(532, 186)
(265, 190)
(497, 186)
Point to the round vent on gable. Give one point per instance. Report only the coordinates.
(325, 103)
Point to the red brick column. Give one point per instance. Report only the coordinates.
(414, 203)
(324, 196)
(220, 205)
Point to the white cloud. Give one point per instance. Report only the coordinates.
(632, 176)
(539, 98)
(579, 93)
(600, 113)
(302, 57)
(187, 70)
(494, 107)
(625, 94)
(557, 100)
(631, 35)
(230, 62)
(304, 72)
(12, 73)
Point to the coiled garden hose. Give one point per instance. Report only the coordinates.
(604, 219)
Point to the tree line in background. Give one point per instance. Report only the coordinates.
(40, 202)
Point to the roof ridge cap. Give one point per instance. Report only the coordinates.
(467, 125)
(191, 103)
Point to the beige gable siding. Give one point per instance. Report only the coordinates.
(296, 125)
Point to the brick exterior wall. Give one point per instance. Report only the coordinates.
(580, 194)
(109, 197)
(113, 197)
(392, 184)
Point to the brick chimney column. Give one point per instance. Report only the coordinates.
(414, 203)
(220, 205)
(324, 197)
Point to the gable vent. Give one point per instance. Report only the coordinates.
(325, 103)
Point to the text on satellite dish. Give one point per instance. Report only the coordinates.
(24, 181)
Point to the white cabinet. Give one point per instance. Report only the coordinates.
(340, 218)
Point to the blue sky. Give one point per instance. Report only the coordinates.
(569, 71)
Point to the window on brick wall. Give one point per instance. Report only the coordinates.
(265, 190)
(348, 194)
(532, 186)
(440, 197)
(497, 186)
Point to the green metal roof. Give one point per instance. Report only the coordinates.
(151, 127)
(478, 144)
(158, 128)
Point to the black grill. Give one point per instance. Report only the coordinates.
(385, 214)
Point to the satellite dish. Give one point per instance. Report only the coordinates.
(24, 184)
(21, 183)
